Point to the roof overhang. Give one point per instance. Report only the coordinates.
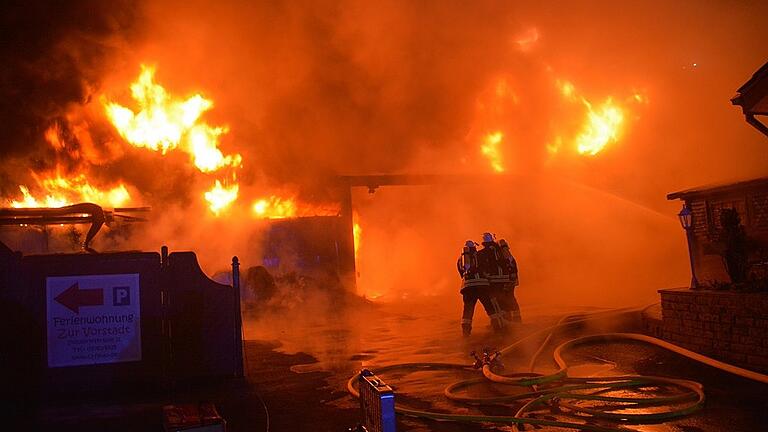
(719, 189)
(752, 97)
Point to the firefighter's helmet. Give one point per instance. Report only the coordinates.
(488, 237)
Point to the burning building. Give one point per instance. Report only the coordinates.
(130, 121)
(260, 129)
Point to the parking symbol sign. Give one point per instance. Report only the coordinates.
(121, 296)
(93, 319)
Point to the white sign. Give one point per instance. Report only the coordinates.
(93, 319)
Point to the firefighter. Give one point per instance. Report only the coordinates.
(491, 264)
(508, 300)
(474, 287)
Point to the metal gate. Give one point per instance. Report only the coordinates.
(115, 322)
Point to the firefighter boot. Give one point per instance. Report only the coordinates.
(466, 327)
(497, 322)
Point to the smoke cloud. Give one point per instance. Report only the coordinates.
(310, 90)
(55, 55)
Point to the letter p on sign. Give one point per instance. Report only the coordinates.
(121, 296)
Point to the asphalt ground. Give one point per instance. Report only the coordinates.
(297, 366)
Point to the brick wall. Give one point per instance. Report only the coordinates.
(728, 326)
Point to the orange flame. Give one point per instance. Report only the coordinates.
(491, 150)
(165, 123)
(31, 201)
(275, 207)
(220, 197)
(59, 192)
(358, 233)
(601, 126)
(52, 136)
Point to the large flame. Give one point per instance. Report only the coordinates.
(601, 126)
(220, 197)
(54, 189)
(58, 191)
(31, 201)
(164, 123)
(491, 149)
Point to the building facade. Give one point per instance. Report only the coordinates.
(750, 200)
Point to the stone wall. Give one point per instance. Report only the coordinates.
(728, 326)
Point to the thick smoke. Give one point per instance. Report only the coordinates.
(55, 54)
(310, 90)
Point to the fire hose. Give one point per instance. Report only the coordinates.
(557, 390)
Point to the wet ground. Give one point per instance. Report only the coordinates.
(340, 343)
(298, 361)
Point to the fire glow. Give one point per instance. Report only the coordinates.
(164, 123)
(601, 126)
(220, 197)
(491, 149)
(275, 207)
(60, 191)
(597, 125)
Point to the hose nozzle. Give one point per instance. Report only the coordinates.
(490, 357)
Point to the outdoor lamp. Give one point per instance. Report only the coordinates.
(686, 220)
(686, 217)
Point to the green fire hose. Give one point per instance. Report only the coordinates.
(559, 390)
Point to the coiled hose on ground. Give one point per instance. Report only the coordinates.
(559, 390)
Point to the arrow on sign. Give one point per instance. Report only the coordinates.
(73, 298)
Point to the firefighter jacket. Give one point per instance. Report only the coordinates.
(470, 271)
(510, 264)
(494, 264)
(513, 271)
